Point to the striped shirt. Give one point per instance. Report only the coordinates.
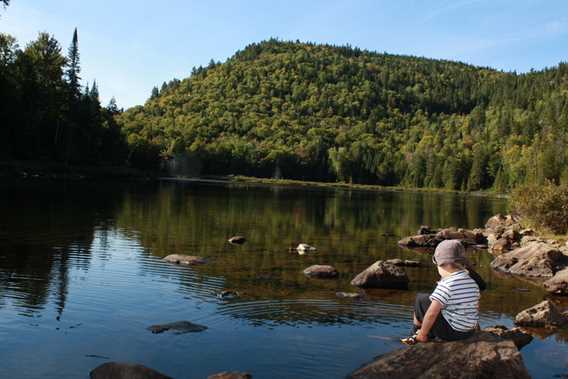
(459, 295)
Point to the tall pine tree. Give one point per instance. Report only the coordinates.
(73, 66)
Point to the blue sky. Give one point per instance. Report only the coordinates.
(130, 46)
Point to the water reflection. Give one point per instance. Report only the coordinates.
(89, 254)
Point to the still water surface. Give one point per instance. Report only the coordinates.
(81, 278)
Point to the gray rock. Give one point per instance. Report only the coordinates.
(118, 370)
(349, 295)
(481, 356)
(230, 375)
(227, 295)
(178, 327)
(382, 275)
(544, 314)
(558, 284)
(181, 259)
(321, 272)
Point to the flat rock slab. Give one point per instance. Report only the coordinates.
(558, 284)
(544, 314)
(381, 274)
(321, 271)
(481, 356)
(178, 327)
(118, 370)
(181, 259)
(230, 375)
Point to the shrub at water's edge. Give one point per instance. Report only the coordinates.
(544, 206)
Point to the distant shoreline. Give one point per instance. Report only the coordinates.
(240, 179)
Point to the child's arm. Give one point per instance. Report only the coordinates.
(429, 320)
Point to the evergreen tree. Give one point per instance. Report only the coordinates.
(73, 66)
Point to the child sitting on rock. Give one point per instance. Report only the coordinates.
(451, 312)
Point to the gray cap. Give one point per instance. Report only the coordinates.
(449, 251)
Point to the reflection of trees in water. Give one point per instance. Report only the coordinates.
(46, 229)
(351, 229)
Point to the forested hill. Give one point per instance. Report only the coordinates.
(320, 112)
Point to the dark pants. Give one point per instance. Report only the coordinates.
(441, 329)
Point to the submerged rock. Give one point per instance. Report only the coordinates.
(227, 295)
(519, 338)
(230, 375)
(544, 314)
(558, 284)
(535, 259)
(381, 274)
(181, 259)
(178, 327)
(404, 262)
(118, 370)
(349, 295)
(237, 240)
(321, 271)
(481, 356)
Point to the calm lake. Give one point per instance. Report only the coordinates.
(81, 278)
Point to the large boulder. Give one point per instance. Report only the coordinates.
(321, 272)
(496, 222)
(544, 314)
(178, 327)
(182, 259)
(230, 375)
(558, 284)
(467, 237)
(481, 356)
(381, 274)
(535, 259)
(118, 370)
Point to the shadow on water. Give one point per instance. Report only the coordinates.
(82, 261)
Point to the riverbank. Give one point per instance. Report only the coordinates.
(352, 186)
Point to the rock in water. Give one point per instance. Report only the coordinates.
(321, 271)
(381, 275)
(481, 356)
(117, 370)
(349, 295)
(404, 262)
(230, 375)
(544, 314)
(519, 338)
(237, 240)
(227, 295)
(178, 327)
(558, 284)
(181, 259)
(303, 247)
(535, 259)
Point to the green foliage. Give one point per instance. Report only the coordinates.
(546, 206)
(330, 113)
(45, 116)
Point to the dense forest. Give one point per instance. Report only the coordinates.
(47, 114)
(336, 113)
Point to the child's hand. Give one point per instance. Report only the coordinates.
(421, 337)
